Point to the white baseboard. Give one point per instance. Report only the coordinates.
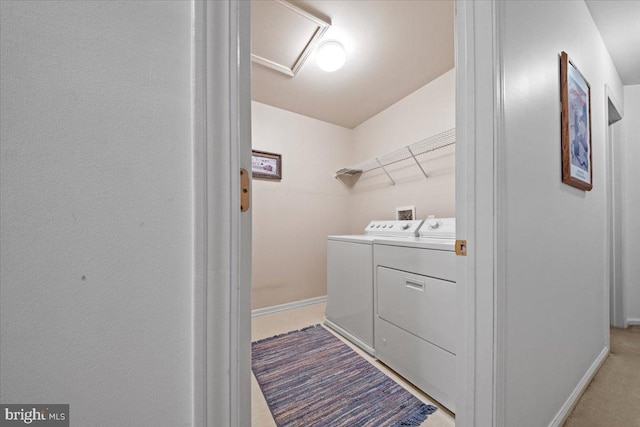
(571, 402)
(633, 322)
(287, 306)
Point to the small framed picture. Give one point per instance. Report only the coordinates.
(266, 165)
(577, 167)
(406, 213)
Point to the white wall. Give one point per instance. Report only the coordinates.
(426, 112)
(631, 201)
(96, 208)
(292, 217)
(555, 276)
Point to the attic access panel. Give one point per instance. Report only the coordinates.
(283, 35)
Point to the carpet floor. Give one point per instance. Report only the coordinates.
(311, 378)
(613, 397)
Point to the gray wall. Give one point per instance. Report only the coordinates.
(96, 170)
(556, 278)
(631, 202)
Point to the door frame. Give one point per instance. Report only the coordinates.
(221, 121)
(615, 310)
(479, 191)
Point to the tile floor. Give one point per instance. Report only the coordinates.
(269, 325)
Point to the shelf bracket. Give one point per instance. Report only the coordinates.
(417, 162)
(385, 171)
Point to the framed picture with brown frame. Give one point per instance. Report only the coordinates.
(266, 165)
(577, 166)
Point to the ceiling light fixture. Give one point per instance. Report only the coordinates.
(330, 56)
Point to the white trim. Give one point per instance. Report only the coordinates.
(573, 399)
(220, 241)
(272, 64)
(465, 129)
(500, 213)
(614, 286)
(287, 306)
(476, 207)
(632, 322)
(199, 296)
(322, 27)
(221, 288)
(240, 101)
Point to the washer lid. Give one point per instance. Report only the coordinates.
(354, 238)
(439, 228)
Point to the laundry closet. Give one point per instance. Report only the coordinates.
(331, 160)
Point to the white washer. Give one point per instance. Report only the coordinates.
(350, 279)
(415, 300)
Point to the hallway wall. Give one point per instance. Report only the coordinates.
(631, 202)
(96, 209)
(556, 327)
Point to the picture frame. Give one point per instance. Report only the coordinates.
(406, 213)
(265, 165)
(577, 165)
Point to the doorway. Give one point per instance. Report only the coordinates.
(300, 234)
(222, 313)
(617, 315)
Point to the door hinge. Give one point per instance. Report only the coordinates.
(461, 247)
(245, 191)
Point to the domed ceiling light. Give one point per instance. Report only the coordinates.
(330, 56)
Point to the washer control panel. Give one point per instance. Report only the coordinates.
(439, 228)
(393, 228)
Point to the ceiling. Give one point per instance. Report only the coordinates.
(393, 48)
(619, 25)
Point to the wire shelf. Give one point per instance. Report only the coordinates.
(419, 148)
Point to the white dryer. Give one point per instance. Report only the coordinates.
(415, 295)
(350, 310)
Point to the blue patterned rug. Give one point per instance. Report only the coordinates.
(311, 379)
